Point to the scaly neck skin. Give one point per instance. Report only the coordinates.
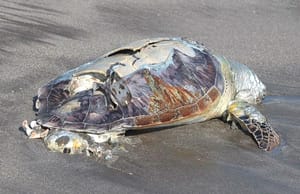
(247, 85)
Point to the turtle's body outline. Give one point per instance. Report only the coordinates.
(152, 83)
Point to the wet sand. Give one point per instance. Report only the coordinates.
(41, 39)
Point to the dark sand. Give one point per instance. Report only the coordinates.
(41, 39)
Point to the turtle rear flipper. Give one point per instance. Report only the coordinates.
(249, 118)
(34, 130)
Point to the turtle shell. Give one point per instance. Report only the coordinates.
(150, 83)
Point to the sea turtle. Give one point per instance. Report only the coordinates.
(148, 84)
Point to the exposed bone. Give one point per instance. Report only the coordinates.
(33, 124)
(26, 128)
(102, 138)
(31, 133)
(37, 135)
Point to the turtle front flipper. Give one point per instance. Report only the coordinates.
(248, 117)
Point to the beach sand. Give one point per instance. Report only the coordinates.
(39, 40)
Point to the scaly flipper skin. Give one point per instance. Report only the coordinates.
(256, 124)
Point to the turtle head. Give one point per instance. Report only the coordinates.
(248, 86)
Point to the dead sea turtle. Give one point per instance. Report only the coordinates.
(148, 84)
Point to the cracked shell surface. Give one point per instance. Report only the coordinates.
(149, 83)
